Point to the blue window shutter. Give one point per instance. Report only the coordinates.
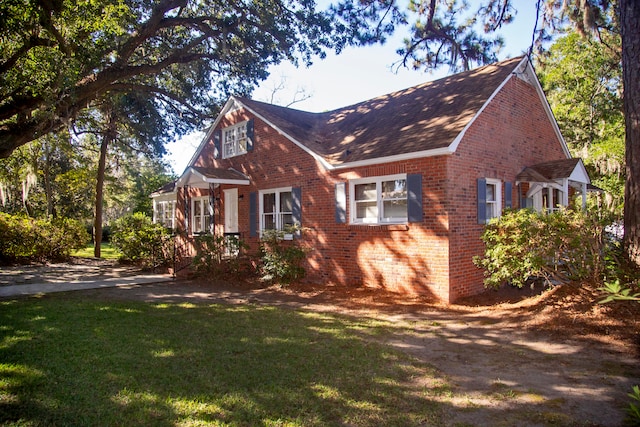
(217, 143)
(482, 201)
(296, 208)
(250, 135)
(341, 203)
(414, 197)
(253, 214)
(508, 204)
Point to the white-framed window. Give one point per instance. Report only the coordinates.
(164, 212)
(494, 199)
(379, 200)
(234, 140)
(200, 215)
(276, 209)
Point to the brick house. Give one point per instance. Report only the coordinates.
(393, 192)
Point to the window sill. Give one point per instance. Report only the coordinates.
(386, 227)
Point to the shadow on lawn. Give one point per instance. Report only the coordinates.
(78, 360)
(70, 362)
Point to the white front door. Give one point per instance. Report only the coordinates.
(231, 210)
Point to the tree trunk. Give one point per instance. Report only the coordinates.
(630, 26)
(48, 187)
(108, 136)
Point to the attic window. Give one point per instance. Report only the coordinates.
(235, 140)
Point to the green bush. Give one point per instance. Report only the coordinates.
(218, 255)
(524, 245)
(27, 239)
(141, 241)
(281, 259)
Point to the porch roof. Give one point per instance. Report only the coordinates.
(549, 172)
(201, 177)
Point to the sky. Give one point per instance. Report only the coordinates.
(357, 74)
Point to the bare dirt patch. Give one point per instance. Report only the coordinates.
(525, 357)
(509, 357)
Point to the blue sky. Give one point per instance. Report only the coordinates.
(357, 74)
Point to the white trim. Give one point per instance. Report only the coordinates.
(377, 180)
(530, 76)
(190, 171)
(523, 70)
(223, 138)
(497, 203)
(395, 158)
(313, 154)
(204, 203)
(231, 105)
(276, 213)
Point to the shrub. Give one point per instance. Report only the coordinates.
(524, 245)
(27, 239)
(141, 241)
(218, 255)
(281, 259)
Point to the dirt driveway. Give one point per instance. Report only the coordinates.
(510, 358)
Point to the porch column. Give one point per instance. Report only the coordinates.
(584, 196)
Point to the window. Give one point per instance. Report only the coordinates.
(379, 200)
(551, 199)
(200, 215)
(276, 209)
(164, 213)
(489, 199)
(235, 140)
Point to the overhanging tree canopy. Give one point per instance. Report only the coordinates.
(58, 56)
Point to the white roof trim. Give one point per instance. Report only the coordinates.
(530, 73)
(190, 173)
(313, 154)
(231, 104)
(580, 174)
(396, 158)
(523, 68)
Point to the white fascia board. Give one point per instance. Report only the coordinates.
(580, 174)
(397, 158)
(533, 79)
(525, 69)
(454, 145)
(163, 196)
(360, 163)
(231, 103)
(312, 153)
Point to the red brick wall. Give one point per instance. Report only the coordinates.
(433, 257)
(512, 132)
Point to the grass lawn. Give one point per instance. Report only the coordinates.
(65, 360)
(106, 251)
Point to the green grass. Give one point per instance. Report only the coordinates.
(65, 360)
(106, 251)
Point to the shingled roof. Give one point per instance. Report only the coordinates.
(421, 118)
(552, 170)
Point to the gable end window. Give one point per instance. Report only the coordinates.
(379, 200)
(235, 140)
